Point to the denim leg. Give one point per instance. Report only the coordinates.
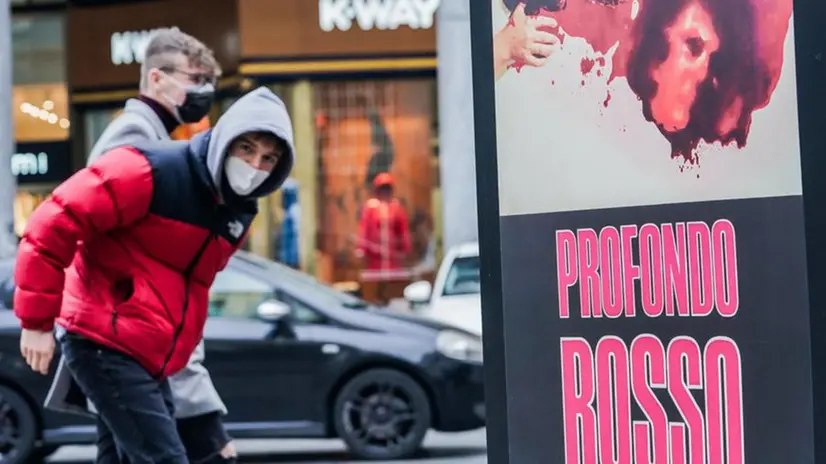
(133, 405)
(204, 438)
(107, 449)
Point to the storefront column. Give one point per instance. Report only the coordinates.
(7, 181)
(456, 153)
(305, 171)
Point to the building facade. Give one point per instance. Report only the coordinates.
(42, 122)
(360, 87)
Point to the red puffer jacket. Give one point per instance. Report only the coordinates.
(124, 252)
(134, 281)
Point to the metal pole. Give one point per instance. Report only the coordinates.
(8, 184)
(457, 155)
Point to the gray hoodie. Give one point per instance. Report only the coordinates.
(258, 111)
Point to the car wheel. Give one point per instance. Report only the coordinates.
(18, 428)
(382, 414)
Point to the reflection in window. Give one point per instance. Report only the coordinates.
(235, 294)
(463, 277)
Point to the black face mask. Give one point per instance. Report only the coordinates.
(197, 104)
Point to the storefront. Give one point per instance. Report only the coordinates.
(362, 95)
(41, 115)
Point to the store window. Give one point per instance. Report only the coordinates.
(39, 48)
(40, 104)
(25, 202)
(40, 95)
(364, 129)
(95, 122)
(41, 112)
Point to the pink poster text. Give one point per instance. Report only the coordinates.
(684, 270)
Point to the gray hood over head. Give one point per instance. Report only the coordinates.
(258, 111)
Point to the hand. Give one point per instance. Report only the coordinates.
(38, 349)
(359, 253)
(524, 40)
(229, 451)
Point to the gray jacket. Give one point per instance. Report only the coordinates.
(192, 388)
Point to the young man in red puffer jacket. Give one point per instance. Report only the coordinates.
(122, 256)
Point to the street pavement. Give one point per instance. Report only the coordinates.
(439, 448)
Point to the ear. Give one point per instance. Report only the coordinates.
(154, 75)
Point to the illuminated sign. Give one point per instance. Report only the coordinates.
(376, 14)
(129, 47)
(44, 162)
(27, 164)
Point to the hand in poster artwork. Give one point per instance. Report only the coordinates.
(525, 40)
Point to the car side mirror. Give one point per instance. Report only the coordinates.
(418, 293)
(273, 311)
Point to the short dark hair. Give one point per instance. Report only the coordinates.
(268, 137)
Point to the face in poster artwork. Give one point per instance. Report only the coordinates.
(649, 166)
(693, 94)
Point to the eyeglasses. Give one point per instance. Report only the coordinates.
(195, 78)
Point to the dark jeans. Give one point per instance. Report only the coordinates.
(135, 410)
(204, 437)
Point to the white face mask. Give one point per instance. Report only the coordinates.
(243, 178)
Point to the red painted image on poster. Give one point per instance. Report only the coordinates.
(700, 67)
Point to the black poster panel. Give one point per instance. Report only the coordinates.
(649, 258)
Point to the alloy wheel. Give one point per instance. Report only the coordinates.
(383, 414)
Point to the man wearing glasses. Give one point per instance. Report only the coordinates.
(177, 87)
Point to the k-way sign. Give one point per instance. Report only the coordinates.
(376, 14)
(129, 47)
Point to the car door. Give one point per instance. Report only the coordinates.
(256, 365)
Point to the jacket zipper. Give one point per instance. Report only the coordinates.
(187, 275)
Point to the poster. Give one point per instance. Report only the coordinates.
(652, 246)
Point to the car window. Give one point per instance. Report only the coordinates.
(236, 294)
(304, 283)
(301, 312)
(463, 277)
(6, 284)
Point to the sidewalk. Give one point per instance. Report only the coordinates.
(462, 448)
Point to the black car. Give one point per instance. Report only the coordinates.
(292, 358)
